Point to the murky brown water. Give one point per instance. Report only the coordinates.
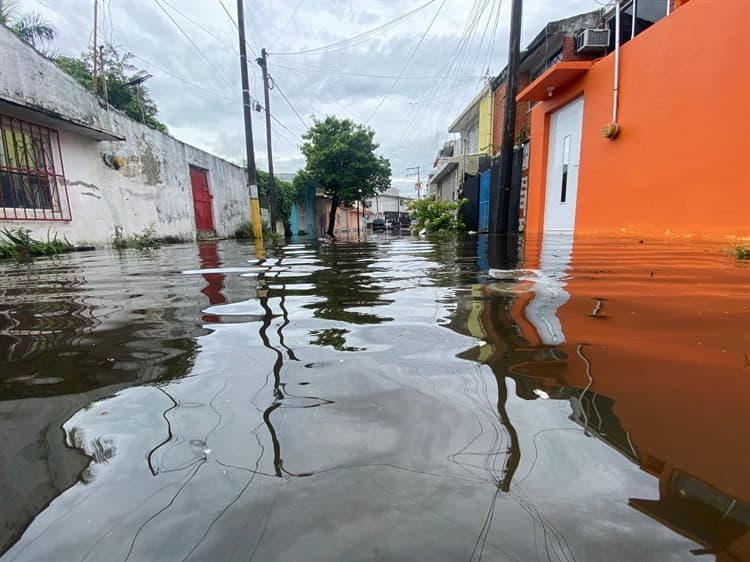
(390, 400)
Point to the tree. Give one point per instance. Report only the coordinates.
(341, 160)
(135, 101)
(31, 28)
(286, 194)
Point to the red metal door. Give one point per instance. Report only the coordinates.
(201, 199)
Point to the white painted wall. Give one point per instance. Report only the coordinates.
(152, 189)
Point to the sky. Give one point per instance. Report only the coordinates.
(407, 80)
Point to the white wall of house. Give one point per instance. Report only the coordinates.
(151, 190)
(387, 203)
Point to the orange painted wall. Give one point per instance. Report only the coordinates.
(680, 165)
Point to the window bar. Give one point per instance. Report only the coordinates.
(4, 129)
(41, 163)
(3, 166)
(30, 199)
(17, 185)
(67, 214)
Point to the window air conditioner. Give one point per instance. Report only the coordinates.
(592, 40)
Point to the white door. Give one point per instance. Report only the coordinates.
(562, 167)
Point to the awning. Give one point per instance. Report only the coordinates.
(51, 120)
(554, 79)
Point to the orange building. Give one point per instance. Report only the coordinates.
(675, 167)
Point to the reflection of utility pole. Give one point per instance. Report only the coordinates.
(263, 63)
(419, 179)
(252, 180)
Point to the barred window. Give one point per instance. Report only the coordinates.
(32, 180)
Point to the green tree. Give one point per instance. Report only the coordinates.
(286, 194)
(341, 160)
(31, 27)
(134, 100)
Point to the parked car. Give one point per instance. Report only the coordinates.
(378, 225)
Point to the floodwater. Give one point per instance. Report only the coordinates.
(392, 399)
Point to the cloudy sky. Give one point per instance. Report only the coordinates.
(407, 80)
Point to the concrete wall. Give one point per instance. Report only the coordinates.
(678, 166)
(151, 189)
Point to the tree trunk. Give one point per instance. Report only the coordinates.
(332, 215)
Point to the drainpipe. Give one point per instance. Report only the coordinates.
(616, 89)
(635, 12)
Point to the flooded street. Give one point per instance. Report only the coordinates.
(393, 399)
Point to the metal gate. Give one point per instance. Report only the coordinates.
(484, 201)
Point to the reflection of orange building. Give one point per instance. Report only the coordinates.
(678, 165)
(654, 344)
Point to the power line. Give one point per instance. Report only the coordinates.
(283, 95)
(316, 69)
(234, 23)
(408, 60)
(185, 81)
(283, 29)
(374, 32)
(195, 46)
(200, 26)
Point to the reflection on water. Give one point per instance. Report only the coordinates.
(394, 399)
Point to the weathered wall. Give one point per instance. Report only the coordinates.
(678, 167)
(152, 189)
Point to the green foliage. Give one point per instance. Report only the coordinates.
(245, 230)
(342, 162)
(435, 216)
(31, 27)
(286, 194)
(742, 253)
(147, 240)
(118, 70)
(18, 244)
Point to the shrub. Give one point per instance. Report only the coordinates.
(435, 216)
(18, 244)
(147, 240)
(742, 253)
(245, 230)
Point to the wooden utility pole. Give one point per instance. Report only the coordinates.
(252, 180)
(95, 51)
(503, 212)
(104, 80)
(419, 177)
(263, 62)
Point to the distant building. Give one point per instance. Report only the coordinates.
(387, 203)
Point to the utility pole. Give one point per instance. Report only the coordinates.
(252, 180)
(502, 207)
(104, 80)
(419, 180)
(263, 62)
(95, 52)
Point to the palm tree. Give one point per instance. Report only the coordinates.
(32, 28)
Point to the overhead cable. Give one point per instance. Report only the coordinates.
(350, 42)
(406, 64)
(195, 46)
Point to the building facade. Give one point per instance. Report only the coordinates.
(72, 167)
(661, 156)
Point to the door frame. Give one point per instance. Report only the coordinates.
(206, 174)
(549, 160)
